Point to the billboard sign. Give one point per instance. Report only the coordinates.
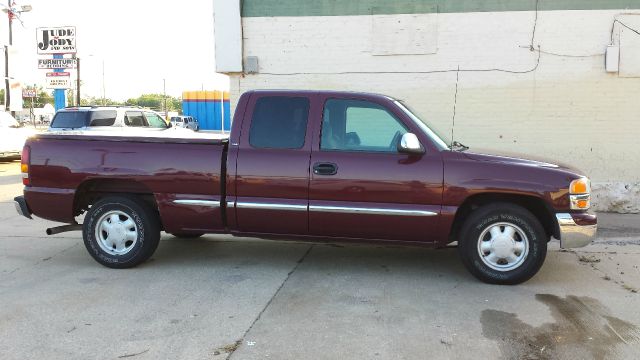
(57, 63)
(54, 74)
(58, 82)
(56, 40)
(28, 93)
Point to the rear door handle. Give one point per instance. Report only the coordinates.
(325, 168)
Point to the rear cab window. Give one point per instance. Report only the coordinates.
(279, 122)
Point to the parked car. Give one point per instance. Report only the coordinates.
(12, 137)
(313, 165)
(188, 122)
(106, 118)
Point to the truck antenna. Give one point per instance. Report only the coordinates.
(455, 104)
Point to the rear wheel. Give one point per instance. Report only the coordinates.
(502, 244)
(121, 232)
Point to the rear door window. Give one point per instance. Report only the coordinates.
(103, 118)
(134, 119)
(70, 120)
(279, 122)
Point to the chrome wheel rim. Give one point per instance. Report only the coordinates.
(116, 233)
(503, 246)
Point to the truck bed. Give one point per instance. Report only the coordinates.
(180, 171)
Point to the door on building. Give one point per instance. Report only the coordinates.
(361, 186)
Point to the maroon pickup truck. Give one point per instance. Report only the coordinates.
(315, 165)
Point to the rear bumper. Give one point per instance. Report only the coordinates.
(576, 230)
(21, 207)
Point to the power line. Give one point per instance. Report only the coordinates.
(534, 68)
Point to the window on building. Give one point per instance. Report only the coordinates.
(279, 122)
(354, 125)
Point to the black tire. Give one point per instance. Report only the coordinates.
(146, 226)
(187, 236)
(482, 220)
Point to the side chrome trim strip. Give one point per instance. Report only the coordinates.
(270, 206)
(207, 203)
(334, 209)
(370, 211)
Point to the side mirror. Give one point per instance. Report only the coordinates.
(410, 144)
(169, 125)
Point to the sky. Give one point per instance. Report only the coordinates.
(141, 42)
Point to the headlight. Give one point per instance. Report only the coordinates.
(580, 194)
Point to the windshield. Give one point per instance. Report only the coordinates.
(441, 140)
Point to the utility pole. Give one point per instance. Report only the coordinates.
(6, 60)
(10, 15)
(104, 93)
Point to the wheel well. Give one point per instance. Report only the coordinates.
(534, 204)
(90, 191)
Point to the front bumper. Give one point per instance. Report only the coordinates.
(576, 230)
(21, 207)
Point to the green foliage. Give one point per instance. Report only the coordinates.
(41, 100)
(98, 101)
(156, 102)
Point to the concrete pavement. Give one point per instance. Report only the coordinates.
(221, 297)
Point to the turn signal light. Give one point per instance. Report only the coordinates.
(580, 202)
(580, 194)
(583, 204)
(580, 186)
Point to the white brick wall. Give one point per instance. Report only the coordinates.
(569, 109)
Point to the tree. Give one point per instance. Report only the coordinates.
(156, 102)
(98, 101)
(43, 98)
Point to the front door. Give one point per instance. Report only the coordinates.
(361, 186)
(272, 183)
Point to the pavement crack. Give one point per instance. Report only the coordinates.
(302, 258)
(605, 276)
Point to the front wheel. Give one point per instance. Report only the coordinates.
(121, 232)
(502, 244)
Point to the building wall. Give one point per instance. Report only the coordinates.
(551, 97)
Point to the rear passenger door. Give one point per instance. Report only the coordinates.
(272, 183)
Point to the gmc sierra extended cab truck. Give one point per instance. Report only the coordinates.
(315, 165)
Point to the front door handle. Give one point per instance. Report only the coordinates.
(325, 168)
